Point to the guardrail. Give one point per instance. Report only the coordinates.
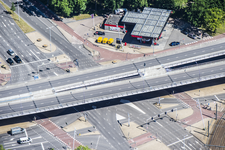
(96, 81)
(111, 96)
(194, 60)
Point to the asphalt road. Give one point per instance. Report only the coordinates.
(13, 38)
(104, 90)
(104, 120)
(40, 139)
(42, 24)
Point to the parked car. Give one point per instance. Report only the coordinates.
(185, 31)
(174, 43)
(10, 52)
(192, 35)
(17, 59)
(10, 61)
(99, 33)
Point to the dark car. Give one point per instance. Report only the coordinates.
(185, 31)
(174, 43)
(192, 35)
(17, 59)
(10, 61)
(10, 52)
(99, 33)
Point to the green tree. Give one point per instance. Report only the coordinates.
(64, 6)
(81, 6)
(13, 8)
(196, 11)
(82, 148)
(109, 5)
(214, 18)
(179, 4)
(1, 147)
(55, 5)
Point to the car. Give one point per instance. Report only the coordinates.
(99, 33)
(184, 32)
(10, 61)
(10, 52)
(17, 130)
(17, 59)
(174, 43)
(24, 140)
(192, 35)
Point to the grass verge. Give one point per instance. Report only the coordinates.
(81, 16)
(220, 30)
(22, 24)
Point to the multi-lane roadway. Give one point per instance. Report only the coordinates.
(83, 94)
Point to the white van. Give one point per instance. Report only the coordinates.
(17, 130)
(24, 140)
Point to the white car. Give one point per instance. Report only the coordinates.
(24, 140)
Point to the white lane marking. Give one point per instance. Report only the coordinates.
(42, 146)
(3, 24)
(37, 137)
(11, 22)
(30, 62)
(131, 105)
(159, 124)
(9, 142)
(119, 117)
(179, 141)
(35, 54)
(26, 145)
(56, 74)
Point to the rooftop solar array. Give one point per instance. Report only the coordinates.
(149, 23)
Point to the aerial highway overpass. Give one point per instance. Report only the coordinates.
(58, 97)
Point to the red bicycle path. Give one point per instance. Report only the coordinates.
(58, 132)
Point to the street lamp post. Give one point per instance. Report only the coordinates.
(128, 120)
(18, 10)
(201, 114)
(144, 68)
(153, 45)
(119, 36)
(50, 28)
(74, 138)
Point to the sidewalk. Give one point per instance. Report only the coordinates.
(142, 139)
(196, 116)
(58, 132)
(5, 73)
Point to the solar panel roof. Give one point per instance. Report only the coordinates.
(149, 23)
